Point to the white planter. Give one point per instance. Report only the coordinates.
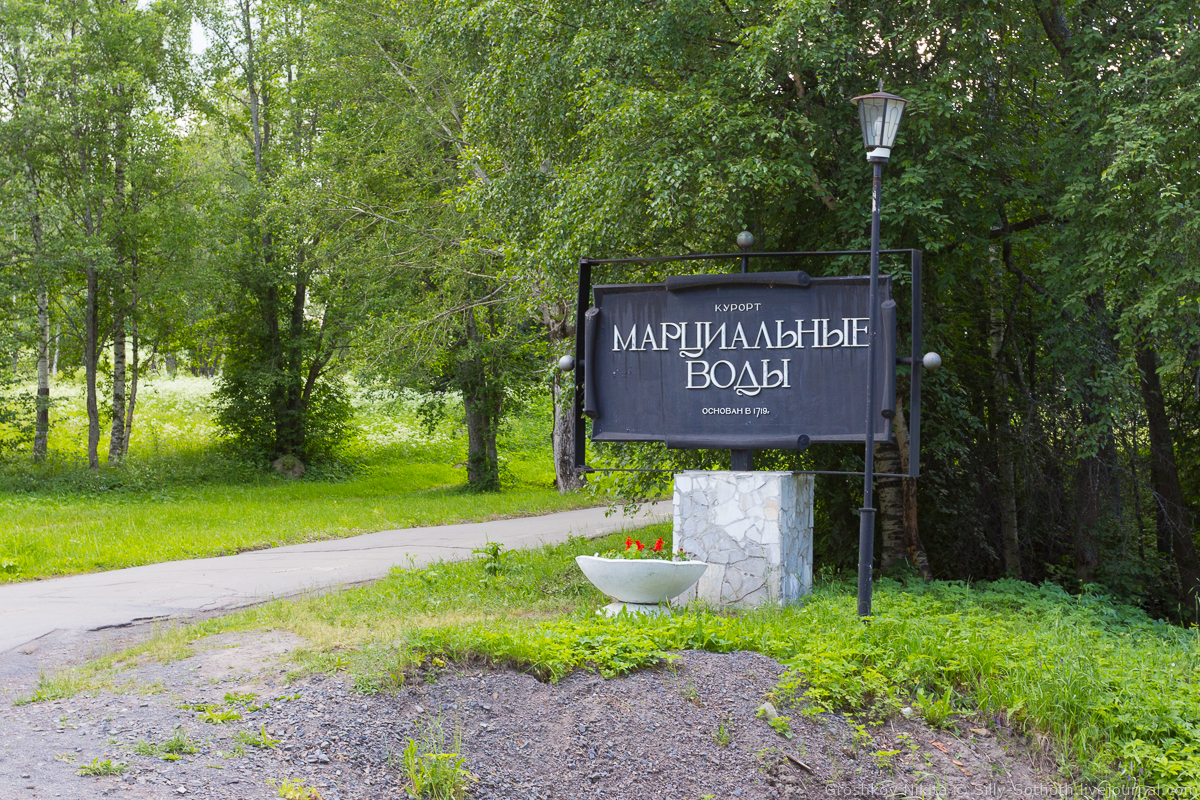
(641, 581)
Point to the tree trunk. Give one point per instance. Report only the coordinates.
(116, 440)
(54, 363)
(133, 324)
(912, 536)
(891, 507)
(91, 219)
(91, 349)
(556, 317)
(1174, 521)
(133, 387)
(565, 477)
(41, 435)
(291, 422)
(1089, 479)
(483, 468)
(481, 405)
(1094, 489)
(998, 329)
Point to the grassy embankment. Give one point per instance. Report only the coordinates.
(179, 496)
(1113, 691)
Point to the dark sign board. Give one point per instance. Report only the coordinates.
(771, 360)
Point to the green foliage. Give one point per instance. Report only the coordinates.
(936, 711)
(885, 759)
(550, 651)
(493, 558)
(781, 725)
(252, 408)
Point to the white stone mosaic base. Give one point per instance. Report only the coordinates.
(755, 531)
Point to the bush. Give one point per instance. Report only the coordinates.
(251, 407)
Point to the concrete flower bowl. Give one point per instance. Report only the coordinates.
(641, 581)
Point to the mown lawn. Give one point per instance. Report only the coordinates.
(180, 495)
(40, 536)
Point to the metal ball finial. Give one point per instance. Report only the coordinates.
(566, 363)
(931, 361)
(745, 240)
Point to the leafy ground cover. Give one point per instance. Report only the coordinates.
(1111, 689)
(180, 495)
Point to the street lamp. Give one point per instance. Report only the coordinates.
(879, 114)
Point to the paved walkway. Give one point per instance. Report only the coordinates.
(124, 597)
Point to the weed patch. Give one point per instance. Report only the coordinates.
(260, 740)
(172, 749)
(294, 789)
(433, 773)
(99, 768)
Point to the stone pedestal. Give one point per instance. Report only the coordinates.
(755, 531)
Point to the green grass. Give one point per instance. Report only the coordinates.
(180, 496)
(45, 537)
(1113, 691)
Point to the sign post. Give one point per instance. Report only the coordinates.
(748, 361)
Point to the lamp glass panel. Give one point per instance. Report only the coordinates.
(871, 117)
(893, 110)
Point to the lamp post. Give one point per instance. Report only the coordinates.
(879, 114)
(743, 460)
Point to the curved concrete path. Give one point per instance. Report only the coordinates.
(124, 597)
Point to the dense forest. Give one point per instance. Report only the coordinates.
(288, 194)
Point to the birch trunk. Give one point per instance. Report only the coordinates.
(41, 435)
(90, 356)
(116, 440)
(133, 387)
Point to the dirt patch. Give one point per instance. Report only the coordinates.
(684, 732)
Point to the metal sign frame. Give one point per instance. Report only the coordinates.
(584, 302)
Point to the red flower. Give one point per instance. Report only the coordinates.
(628, 542)
(658, 546)
(641, 546)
